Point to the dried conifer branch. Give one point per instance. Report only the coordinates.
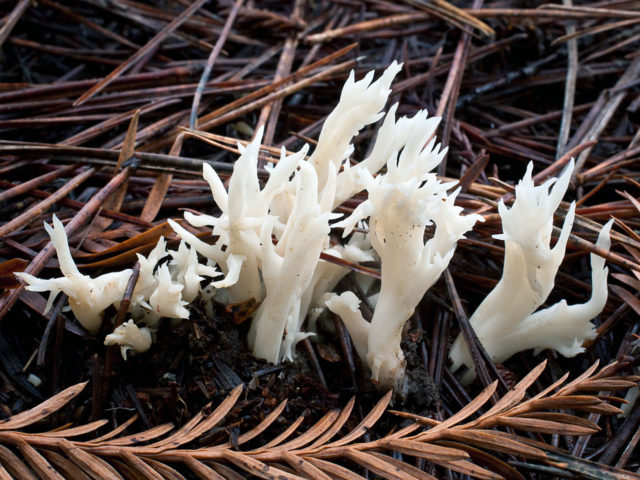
(461, 443)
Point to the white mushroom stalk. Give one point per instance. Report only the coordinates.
(130, 337)
(346, 306)
(327, 275)
(245, 207)
(505, 322)
(401, 204)
(288, 269)
(88, 297)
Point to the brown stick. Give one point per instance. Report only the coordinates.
(452, 89)
(162, 34)
(318, 77)
(12, 19)
(211, 60)
(569, 89)
(35, 182)
(160, 187)
(40, 207)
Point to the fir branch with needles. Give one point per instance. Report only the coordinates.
(473, 442)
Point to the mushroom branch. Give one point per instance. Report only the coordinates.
(288, 269)
(88, 297)
(401, 204)
(130, 336)
(245, 209)
(505, 322)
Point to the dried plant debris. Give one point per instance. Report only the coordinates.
(475, 441)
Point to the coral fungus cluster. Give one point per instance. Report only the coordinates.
(270, 238)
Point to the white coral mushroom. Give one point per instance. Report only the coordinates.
(167, 300)
(245, 208)
(505, 322)
(287, 269)
(186, 270)
(130, 337)
(360, 104)
(401, 204)
(293, 209)
(88, 297)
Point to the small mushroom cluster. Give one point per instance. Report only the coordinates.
(162, 290)
(288, 276)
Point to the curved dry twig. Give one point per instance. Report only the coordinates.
(461, 443)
